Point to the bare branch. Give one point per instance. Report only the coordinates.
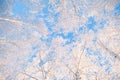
(30, 76)
(111, 52)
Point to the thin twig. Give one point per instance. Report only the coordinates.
(42, 68)
(81, 56)
(74, 6)
(30, 76)
(111, 52)
(76, 74)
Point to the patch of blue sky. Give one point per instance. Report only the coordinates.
(82, 30)
(47, 40)
(91, 23)
(50, 37)
(33, 53)
(96, 54)
(55, 6)
(102, 24)
(45, 11)
(50, 16)
(20, 9)
(117, 9)
(32, 57)
(3, 6)
(99, 59)
(70, 37)
(108, 68)
(35, 47)
(2, 1)
(49, 22)
(89, 52)
(46, 2)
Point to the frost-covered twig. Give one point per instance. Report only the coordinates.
(110, 51)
